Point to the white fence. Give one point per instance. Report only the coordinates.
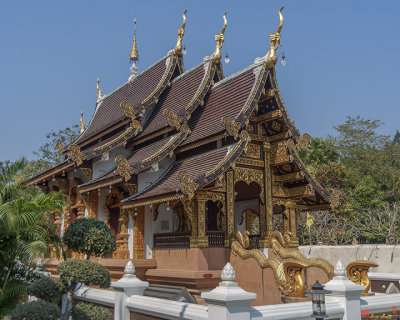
(229, 301)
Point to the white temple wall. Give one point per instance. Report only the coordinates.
(148, 233)
(165, 219)
(102, 166)
(130, 239)
(239, 208)
(101, 213)
(148, 177)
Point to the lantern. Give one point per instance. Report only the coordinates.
(318, 300)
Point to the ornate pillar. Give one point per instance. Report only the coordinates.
(122, 251)
(230, 210)
(80, 207)
(90, 199)
(266, 215)
(138, 233)
(200, 240)
(291, 218)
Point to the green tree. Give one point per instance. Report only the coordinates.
(25, 232)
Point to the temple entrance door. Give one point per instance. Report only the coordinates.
(212, 211)
(114, 220)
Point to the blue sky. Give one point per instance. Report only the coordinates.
(342, 57)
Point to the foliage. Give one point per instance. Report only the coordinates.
(74, 271)
(90, 311)
(25, 232)
(46, 288)
(47, 155)
(35, 310)
(90, 236)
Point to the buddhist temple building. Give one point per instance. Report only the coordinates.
(176, 161)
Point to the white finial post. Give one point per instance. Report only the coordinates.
(228, 301)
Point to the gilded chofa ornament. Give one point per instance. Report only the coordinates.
(188, 185)
(220, 41)
(82, 123)
(275, 41)
(173, 119)
(60, 148)
(99, 91)
(357, 271)
(76, 154)
(181, 34)
(129, 111)
(231, 126)
(124, 169)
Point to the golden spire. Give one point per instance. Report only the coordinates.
(220, 41)
(181, 34)
(275, 41)
(99, 91)
(134, 56)
(82, 124)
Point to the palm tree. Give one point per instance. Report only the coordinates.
(25, 232)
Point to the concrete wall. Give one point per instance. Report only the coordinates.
(388, 257)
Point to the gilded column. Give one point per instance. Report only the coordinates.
(230, 210)
(138, 234)
(93, 204)
(201, 240)
(266, 216)
(292, 213)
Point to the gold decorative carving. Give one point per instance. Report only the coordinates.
(334, 199)
(303, 142)
(124, 169)
(230, 196)
(357, 271)
(63, 184)
(253, 151)
(295, 279)
(188, 185)
(279, 244)
(60, 148)
(132, 188)
(249, 175)
(220, 41)
(173, 119)
(134, 55)
(249, 162)
(231, 126)
(76, 154)
(275, 41)
(138, 232)
(181, 34)
(190, 211)
(87, 172)
(129, 111)
(82, 123)
(99, 91)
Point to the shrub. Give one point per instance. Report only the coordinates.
(73, 272)
(90, 311)
(35, 310)
(45, 288)
(90, 236)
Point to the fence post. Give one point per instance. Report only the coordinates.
(125, 287)
(347, 292)
(228, 300)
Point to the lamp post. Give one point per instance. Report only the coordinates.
(318, 300)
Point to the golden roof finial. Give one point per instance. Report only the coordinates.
(220, 41)
(181, 34)
(275, 41)
(99, 91)
(134, 56)
(82, 124)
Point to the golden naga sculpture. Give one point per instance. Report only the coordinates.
(99, 91)
(134, 55)
(60, 148)
(82, 123)
(287, 275)
(275, 41)
(181, 34)
(279, 244)
(220, 41)
(357, 271)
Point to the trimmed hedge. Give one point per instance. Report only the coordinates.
(90, 236)
(90, 311)
(46, 288)
(75, 271)
(36, 310)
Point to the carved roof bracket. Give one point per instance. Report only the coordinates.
(76, 154)
(232, 126)
(188, 185)
(124, 169)
(173, 119)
